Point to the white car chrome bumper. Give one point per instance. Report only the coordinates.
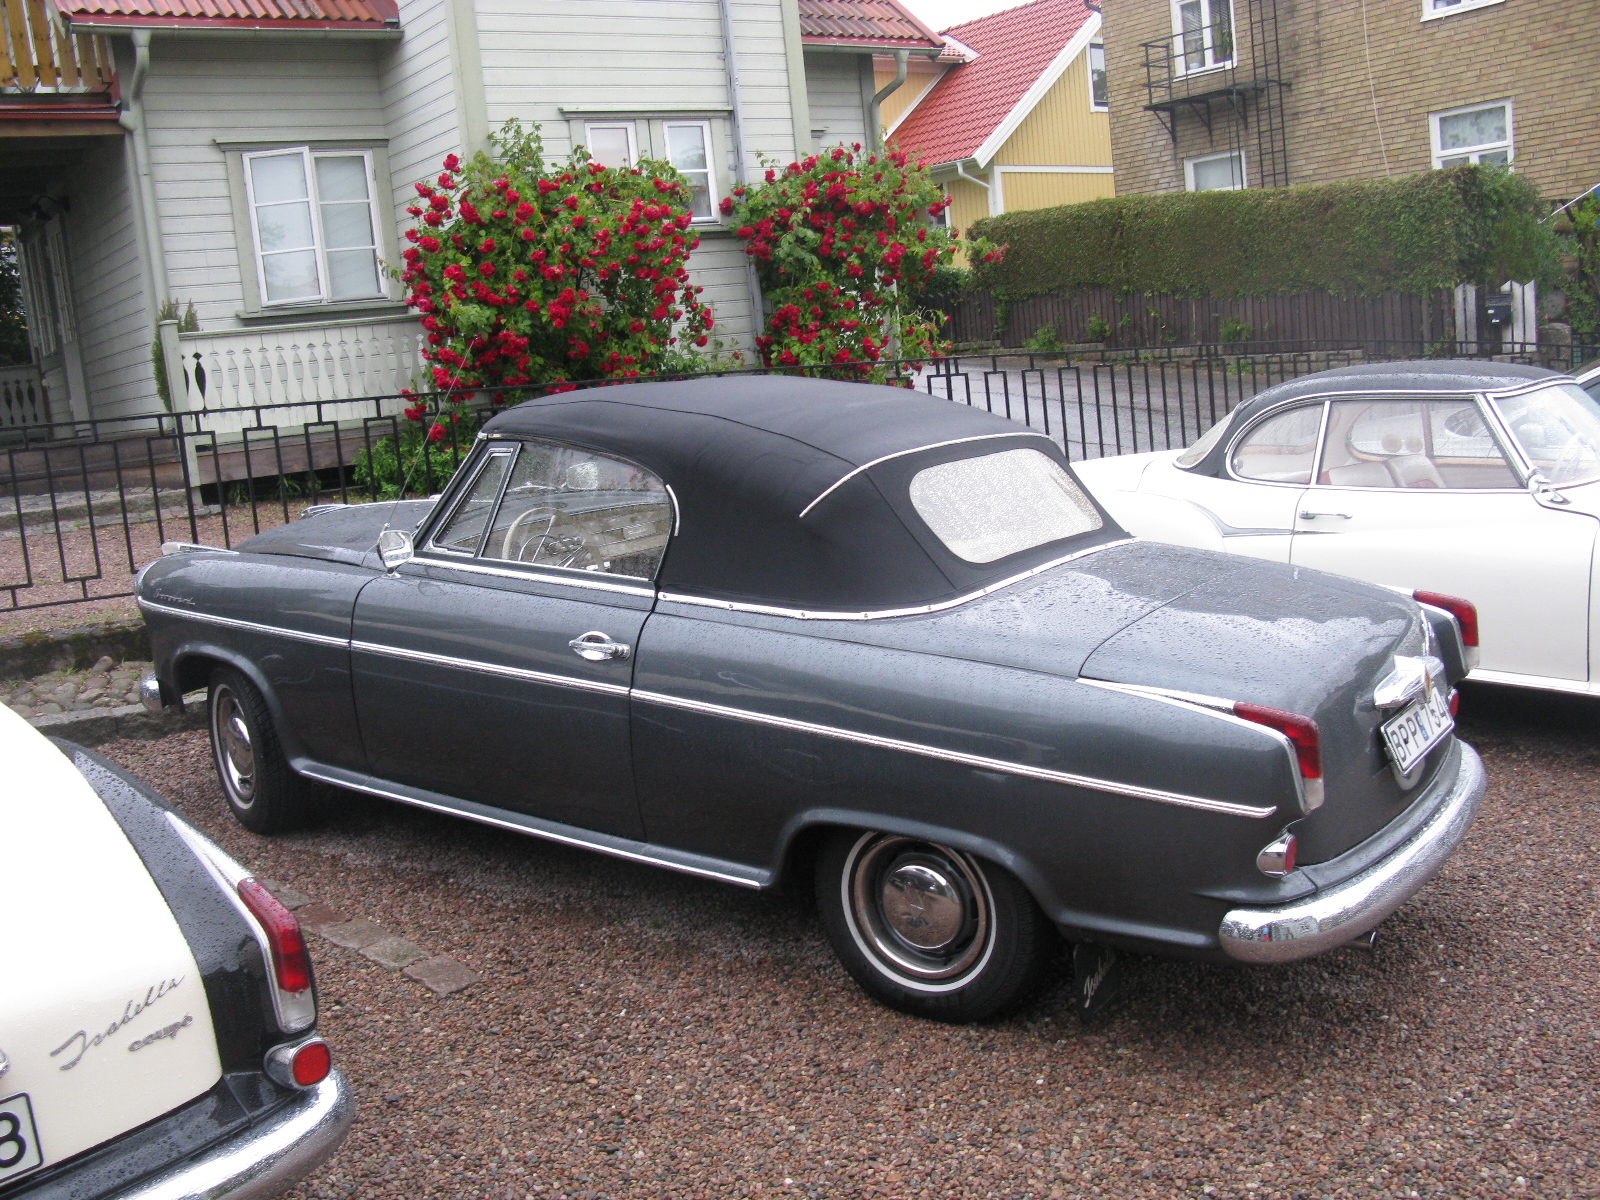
(1344, 912)
(267, 1159)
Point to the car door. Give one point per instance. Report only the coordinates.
(1254, 505)
(495, 665)
(1421, 494)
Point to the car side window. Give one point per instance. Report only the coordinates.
(1282, 449)
(575, 509)
(465, 530)
(1413, 444)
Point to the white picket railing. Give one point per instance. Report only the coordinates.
(23, 398)
(295, 364)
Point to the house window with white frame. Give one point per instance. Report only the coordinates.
(1099, 97)
(1202, 35)
(315, 220)
(1445, 8)
(1480, 133)
(689, 150)
(1214, 172)
(611, 143)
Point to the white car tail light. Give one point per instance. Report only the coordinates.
(301, 1064)
(294, 1001)
(1303, 735)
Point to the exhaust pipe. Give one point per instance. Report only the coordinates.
(1367, 941)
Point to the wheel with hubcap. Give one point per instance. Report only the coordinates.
(263, 792)
(929, 929)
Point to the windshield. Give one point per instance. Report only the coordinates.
(997, 505)
(1558, 429)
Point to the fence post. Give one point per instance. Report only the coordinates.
(181, 397)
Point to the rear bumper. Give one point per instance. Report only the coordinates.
(266, 1159)
(1338, 914)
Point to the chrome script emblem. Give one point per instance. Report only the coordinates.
(5, 1063)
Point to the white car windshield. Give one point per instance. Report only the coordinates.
(1558, 429)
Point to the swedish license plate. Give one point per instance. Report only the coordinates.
(1418, 729)
(19, 1140)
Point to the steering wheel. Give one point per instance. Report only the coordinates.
(527, 516)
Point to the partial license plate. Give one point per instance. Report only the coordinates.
(19, 1140)
(1422, 725)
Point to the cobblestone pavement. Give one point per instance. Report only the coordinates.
(639, 1034)
(103, 685)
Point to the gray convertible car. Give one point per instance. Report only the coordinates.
(751, 628)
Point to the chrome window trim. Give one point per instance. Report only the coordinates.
(578, 579)
(472, 664)
(442, 522)
(978, 761)
(1260, 419)
(802, 614)
(867, 466)
(316, 639)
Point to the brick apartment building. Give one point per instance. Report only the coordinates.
(1267, 93)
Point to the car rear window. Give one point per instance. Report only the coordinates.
(995, 505)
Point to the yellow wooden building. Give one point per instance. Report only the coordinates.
(1012, 115)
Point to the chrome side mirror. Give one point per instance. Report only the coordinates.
(395, 549)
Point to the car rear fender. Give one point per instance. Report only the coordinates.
(1163, 519)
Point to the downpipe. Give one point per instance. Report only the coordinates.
(132, 119)
(730, 60)
(875, 118)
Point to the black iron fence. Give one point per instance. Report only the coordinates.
(85, 504)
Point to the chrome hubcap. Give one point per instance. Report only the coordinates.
(920, 910)
(236, 758)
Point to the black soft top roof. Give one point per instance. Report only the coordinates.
(1422, 375)
(745, 456)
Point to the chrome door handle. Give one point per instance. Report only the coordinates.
(1308, 515)
(595, 646)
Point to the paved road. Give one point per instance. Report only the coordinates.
(642, 1034)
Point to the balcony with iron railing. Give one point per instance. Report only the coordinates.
(1195, 65)
(46, 71)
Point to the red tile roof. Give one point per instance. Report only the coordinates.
(870, 24)
(264, 14)
(969, 103)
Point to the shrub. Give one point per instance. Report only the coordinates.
(846, 257)
(1096, 329)
(1416, 234)
(1045, 340)
(535, 273)
(1235, 329)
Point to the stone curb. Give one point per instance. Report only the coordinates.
(30, 654)
(437, 972)
(93, 726)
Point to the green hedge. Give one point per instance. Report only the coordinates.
(1414, 234)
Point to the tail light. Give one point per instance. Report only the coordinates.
(301, 1065)
(1455, 703)
(283, 946)
(1303, 735)
(1464, 611)
(1277, 858)
(290, 962)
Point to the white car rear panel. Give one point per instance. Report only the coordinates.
(103, 1015)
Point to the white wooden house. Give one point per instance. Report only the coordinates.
(254, 158)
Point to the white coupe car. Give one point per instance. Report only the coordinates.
(157, 1012)
(1457, 479)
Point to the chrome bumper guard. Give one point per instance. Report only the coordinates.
(1344, 912)
(267, 1159)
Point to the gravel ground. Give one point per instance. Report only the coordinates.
(639, 1033)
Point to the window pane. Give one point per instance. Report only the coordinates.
(1475, 128)
(989, 507)
(1498, 157)
(1204, 446)
(1461, 161)
(347, 224)
(341, 178)
(1282, 449)
(352, 274)
(1218, 174)
(278, 177)
(1558, 429)
(285, 227)
(466, 526)
(609, 145)
(1097, 75)
(582, 511)
(699, 193)
(1412, 444)
(291, 276)
(686, 147)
